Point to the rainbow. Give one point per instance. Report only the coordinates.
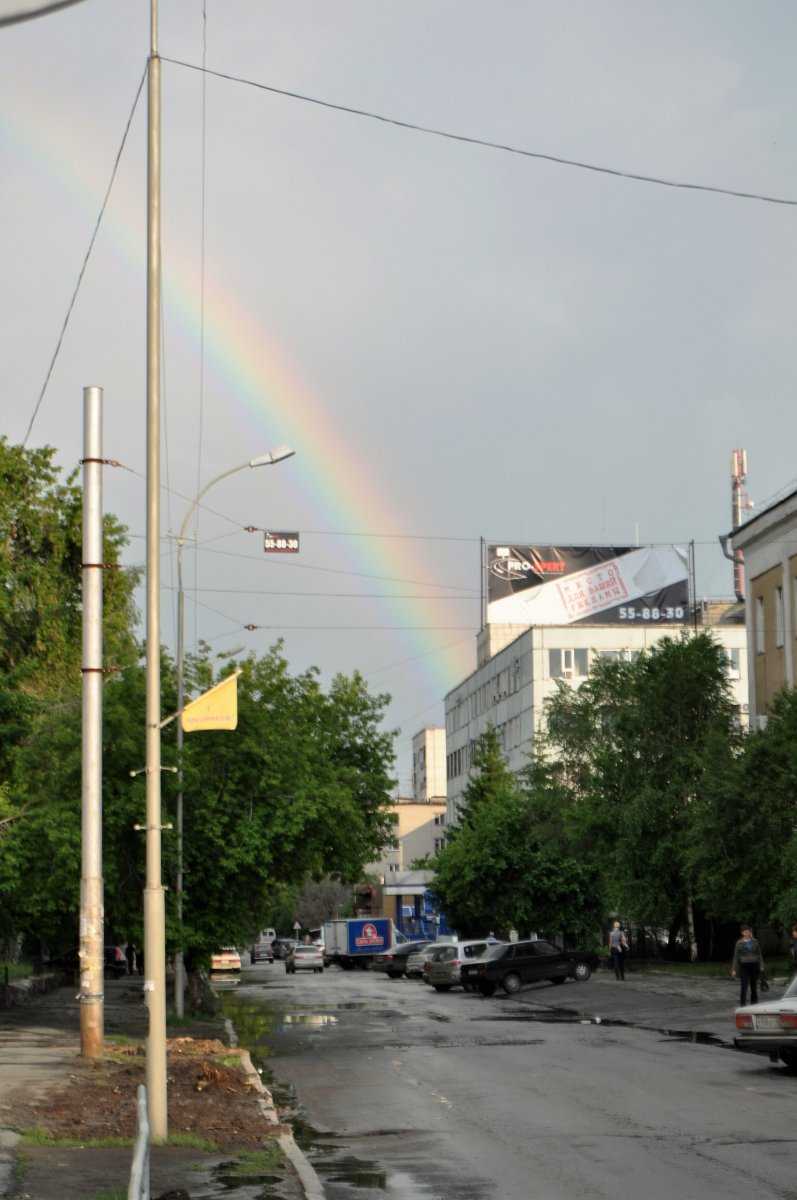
(340, 484)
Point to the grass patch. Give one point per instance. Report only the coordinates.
(121, 1039)
(17, 970)
(111, 1194)
(191, 1141)
(40, 1137)
(256, 1162)
(710, 970)
(227, 1060)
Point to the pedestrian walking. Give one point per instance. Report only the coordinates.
(793, 950)
(748, 964)
(130, 955)
(618, 945)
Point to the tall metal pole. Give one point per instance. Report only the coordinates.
(179, 964)
(91, 888)
(154, 908)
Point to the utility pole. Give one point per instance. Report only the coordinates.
(154, 907)
(91, 888)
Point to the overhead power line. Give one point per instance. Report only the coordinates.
(468, 139)
(85, 262)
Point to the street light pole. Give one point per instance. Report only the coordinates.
(154, 907)
(91, 888)
(263, 460)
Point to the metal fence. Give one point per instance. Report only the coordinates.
(138, 1188)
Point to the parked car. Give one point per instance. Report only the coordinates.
(512, 965)
(394, 962)
(225, 959)
(304, 958)
(418, 957)
(263, 948)
(770, 1028)
(434, 953)
(446, 967)
(114, 961)
(282, 947)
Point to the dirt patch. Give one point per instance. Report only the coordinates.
(210, 1098)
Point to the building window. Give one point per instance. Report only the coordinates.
(759, 624)
(779, 621)
(733, 656)
(439, 843)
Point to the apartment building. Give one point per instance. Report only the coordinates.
(509, 688)
(429, 763)
(419, 832)
(769, 544)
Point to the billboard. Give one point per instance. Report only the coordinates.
(594, 585)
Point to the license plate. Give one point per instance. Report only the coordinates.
(766, 1021)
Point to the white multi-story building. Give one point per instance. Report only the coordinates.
(517, 673)
(429, 763)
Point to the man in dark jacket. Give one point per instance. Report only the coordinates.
(748, 964)
(793, 950)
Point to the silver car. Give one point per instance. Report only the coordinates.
(444, 972)
(304, 958)
(418, 958)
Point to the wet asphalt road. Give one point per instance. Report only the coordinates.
(410, 1094)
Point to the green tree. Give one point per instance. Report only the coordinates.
(638, 743)
(498, 870)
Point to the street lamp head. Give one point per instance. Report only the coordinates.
(272, 456)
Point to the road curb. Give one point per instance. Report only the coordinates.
(8, 1142)
(308, 1177)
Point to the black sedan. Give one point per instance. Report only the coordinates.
(394, 962)
(518, 963)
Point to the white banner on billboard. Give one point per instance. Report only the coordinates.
(585, 595)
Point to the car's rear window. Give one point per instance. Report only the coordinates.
(474, 951)
(306, 950)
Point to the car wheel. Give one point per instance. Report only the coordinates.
(789, 1057)
(558, 979)
(442, 987)
(511, 983)
(487, 988)
(467, 987)
(582, 972)
(394, 974)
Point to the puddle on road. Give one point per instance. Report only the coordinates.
(316, 1019)
(566, 1016)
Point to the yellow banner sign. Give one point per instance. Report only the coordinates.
(215, 709)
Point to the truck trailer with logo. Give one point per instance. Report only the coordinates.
(355, 941)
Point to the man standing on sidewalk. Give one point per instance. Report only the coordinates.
(748, 964)
(618, 944)
(793, 950)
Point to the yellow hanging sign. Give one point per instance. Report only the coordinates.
(214, 709)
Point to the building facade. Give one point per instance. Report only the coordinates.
(509, 689)
(419, 831)
(429, 764)
(769, 544)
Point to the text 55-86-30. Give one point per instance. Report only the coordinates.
(630, 612)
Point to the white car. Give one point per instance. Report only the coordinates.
(770, 1028)
(304, 958)
(226, 959)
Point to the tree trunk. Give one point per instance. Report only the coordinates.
(690, 924)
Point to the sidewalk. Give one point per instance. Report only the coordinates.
(64, 1102)
(677, 1004)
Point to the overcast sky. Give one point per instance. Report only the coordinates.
(456, 341)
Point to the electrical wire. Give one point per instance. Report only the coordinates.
(474, 599)
(468, 139)
(86, 257)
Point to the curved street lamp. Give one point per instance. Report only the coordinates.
(269, 459)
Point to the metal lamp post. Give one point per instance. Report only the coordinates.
(263, 460)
